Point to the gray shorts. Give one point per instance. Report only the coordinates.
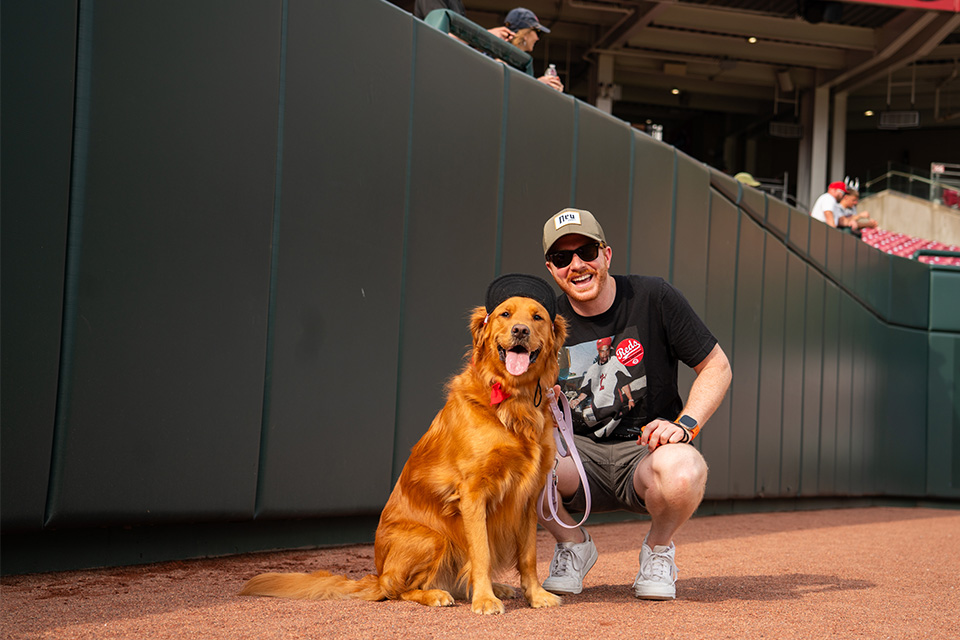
(609, 468)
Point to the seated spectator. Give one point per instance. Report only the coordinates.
(826, 207)
(951, 198)
(527, 29)
(848, 216)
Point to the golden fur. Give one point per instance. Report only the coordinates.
(464, 507)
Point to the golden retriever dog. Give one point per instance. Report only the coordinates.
(464, 507)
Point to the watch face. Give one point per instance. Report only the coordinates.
(688, 422)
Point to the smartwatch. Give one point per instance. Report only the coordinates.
(690, 426)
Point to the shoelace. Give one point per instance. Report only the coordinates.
(563, 558)
(659, 567)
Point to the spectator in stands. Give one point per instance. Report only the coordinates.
(747, 179)
(422, 7)
(527, 29)
(951, 198)
(849, 218)
(826, 207)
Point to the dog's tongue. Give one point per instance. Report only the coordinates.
(517, 362)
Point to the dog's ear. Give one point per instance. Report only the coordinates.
(478, 322)
(560, 330)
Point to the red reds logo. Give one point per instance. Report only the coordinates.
(630, 352)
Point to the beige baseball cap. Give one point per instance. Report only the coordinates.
(570, 221)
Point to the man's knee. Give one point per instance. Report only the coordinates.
(568, 478)
(675, 468)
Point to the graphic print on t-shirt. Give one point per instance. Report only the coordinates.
(604, 380)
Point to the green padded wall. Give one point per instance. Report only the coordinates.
(771, 372)
(817, 251)
(794, 375)
(812, 376)
(846, 330)
(602, 180)
(902, 393)
(944, 300)
(943, 444)
(691, 229)
(828, 391)
(333, 374)
(798, 231)
(264, 254)
(652, 210)
(451, 231)
(38, 42)
(744, 355)
(909, 286)
(778, 218)
(721, 292)
(537, 126)
(159, 417)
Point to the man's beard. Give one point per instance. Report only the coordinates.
(600, 276)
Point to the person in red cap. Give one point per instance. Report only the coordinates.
(827, 206)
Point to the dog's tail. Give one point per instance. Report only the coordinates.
(319, 585)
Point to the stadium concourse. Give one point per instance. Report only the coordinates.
(875, 572)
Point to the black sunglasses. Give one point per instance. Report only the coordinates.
(587, 252)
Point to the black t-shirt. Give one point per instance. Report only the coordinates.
(630, 353)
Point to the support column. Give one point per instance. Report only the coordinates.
(803, 153)
(605, 82)
(838, 141)
(819, 138)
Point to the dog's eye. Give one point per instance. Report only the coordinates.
(537, 316)
(505, 314)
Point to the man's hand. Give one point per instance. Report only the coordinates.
(503, 33)
(660, 432)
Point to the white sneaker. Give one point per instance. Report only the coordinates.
(658, 573)
(571, 562)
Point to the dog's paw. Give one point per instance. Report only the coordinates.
(437, 598)
(504, 591)
(487, 605)
(543, 598)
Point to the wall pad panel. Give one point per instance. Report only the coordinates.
(719, 317)
(537, 118)
(335, 341)
(451, 234)
(38, 61)
(651, 239)
(162, 406)
(603, 175)
(691, 228)
(746, 360)
(771, 387)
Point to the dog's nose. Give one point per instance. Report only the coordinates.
(521, 331)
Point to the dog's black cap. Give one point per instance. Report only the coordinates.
(526, 286)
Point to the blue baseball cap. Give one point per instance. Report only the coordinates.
(521, 18)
